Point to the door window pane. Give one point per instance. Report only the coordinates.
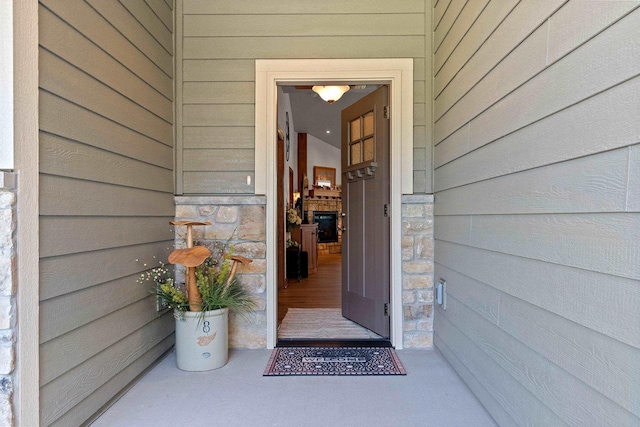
(368, 150)
(368, 124)
(355, 129)
(355, 153)
(361, 139)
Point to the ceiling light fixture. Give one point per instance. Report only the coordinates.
(330, 93)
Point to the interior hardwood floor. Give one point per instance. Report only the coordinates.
(321, 289)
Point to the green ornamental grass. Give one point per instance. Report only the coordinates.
(217, 289)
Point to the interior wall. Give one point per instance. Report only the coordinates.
(106, 197)
(222, 40)
(320, 153)
(284, 106)
(537, 170)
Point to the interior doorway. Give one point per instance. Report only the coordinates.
(398, 74)
(312, 304)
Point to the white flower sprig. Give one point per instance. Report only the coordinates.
(159, 275)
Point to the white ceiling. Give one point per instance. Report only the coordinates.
(311, 115)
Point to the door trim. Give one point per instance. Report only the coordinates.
(398, 74)
(26, 401)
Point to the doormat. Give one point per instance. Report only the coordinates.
(334, 361)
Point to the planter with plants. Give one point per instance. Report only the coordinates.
(201, 306)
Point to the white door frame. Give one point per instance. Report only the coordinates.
(25, 109)
(398, 74)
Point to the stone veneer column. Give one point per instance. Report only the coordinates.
(242, 221)
(417, 271)
(7, 295)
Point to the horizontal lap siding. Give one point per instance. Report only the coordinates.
(537, 170)
(220, 43)
(296, 7)
(106, 197)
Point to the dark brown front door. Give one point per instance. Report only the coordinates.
(366, 222)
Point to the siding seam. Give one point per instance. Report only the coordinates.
(494, 67)
(628, 179)
(111, 184)
(145, 28)
(103, 84)
(452, 25)
(541, 70)
(549, 361)
(130, 41)
(546, 59)
(156, 15)
(498, 319)
(603, 30)
(66, 138)
(436, 95)
(501, 292)
(507, 373)
(530, 258)
(306, 13)
(460, 41)
(436, 24)
(103, 50)
(537, 120)
(534, 168)
(100, 115)
(471, 372)
(316, 36)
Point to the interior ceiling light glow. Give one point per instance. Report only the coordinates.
(330, 93)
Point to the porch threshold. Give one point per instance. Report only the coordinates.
(303, 342)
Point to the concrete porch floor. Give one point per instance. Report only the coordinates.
(431, 394)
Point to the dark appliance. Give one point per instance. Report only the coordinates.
(327, 225)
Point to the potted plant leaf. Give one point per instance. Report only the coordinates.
(201, 306)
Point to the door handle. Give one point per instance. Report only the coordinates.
(343, 229)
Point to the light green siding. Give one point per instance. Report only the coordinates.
(221, 41)
(106, 197)
(537, 117)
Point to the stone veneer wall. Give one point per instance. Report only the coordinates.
(242, 220)
(7, 295)
(417, 271)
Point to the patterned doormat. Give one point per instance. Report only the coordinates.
(334, 361)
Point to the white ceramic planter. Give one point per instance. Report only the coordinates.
(202, 342)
